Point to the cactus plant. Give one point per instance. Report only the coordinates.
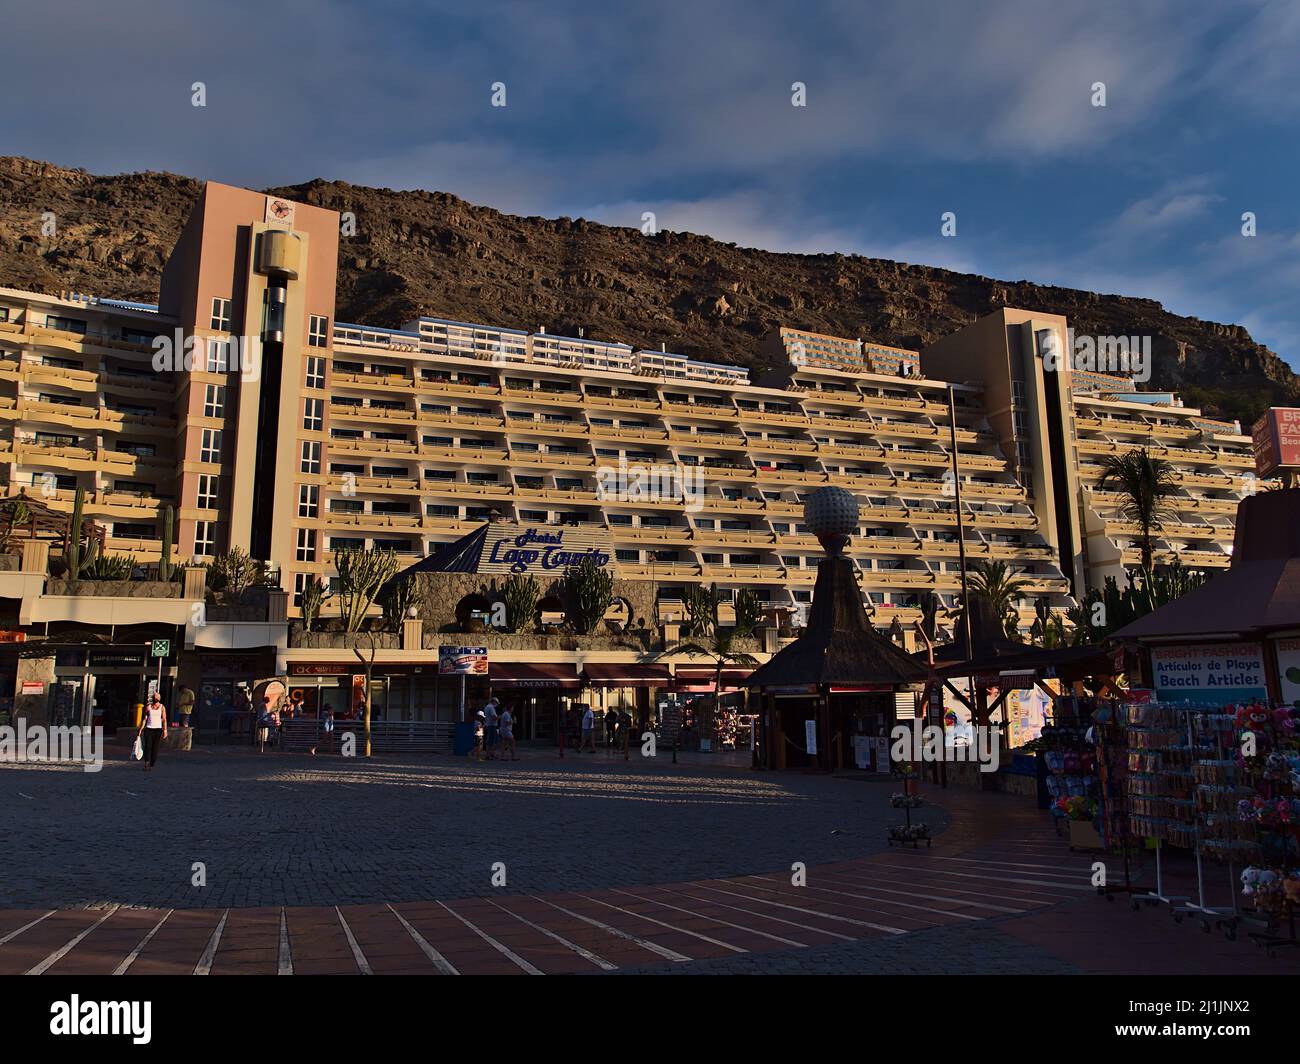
(591, 590)
(520, 593)
(361, 575)
(80, 558)
(165, 568)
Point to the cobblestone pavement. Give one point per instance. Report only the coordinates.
(290, 830)
(997, 892)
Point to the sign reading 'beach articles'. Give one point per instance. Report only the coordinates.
(548, 549)
(1209, 675)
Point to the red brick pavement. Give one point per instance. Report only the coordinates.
(999, 861)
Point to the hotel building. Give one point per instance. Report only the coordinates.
(290, 434)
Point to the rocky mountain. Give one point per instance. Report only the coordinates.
(432, 253)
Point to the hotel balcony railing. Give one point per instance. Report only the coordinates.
(346, 412)
(337, 446)
(492, 455)
(125, 461)
(1132, 556)
(708, 537)
(1128, 529)
(403, 485)
(614, 401)
(727, 413)
(466, 487)
(773, 417)
(902, 428)
(729, 440)
(551, 458)
(659, 571)
(538, 395)
(79, 380)
(622, 534)
(771, 446)
(457, 388)
(864, 481)
(135, 383)
(364, 520)
(619, 432)
(714, 504)
(546, 428)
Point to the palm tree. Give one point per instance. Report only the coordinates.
(996, 582)
(1144, 485)
(719, 645)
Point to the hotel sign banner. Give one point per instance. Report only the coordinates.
(544, 550)
(1209, 675)
(1276, 439)
(462, 661)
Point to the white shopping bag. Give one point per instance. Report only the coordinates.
(137, 749)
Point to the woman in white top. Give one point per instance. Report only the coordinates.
(153, 728)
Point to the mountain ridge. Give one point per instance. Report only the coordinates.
(420, 252)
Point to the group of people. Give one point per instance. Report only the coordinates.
(617, 723)
(494, 733)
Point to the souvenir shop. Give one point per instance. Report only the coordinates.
(1191, 779)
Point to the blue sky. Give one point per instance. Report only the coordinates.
(684, 109)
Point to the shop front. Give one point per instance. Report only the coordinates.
(542, 696)
(400, 692)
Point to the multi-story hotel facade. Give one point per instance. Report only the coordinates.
(268, 425)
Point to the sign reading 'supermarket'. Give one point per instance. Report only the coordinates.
(550, 549)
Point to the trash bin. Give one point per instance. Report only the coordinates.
(463, 740)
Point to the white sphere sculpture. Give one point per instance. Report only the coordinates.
(831, 515)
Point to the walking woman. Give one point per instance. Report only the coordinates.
(153, 729)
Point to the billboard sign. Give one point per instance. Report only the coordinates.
(462, 661)
(1209, 675)
(1276, 438)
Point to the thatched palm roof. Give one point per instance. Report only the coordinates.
(839, 645)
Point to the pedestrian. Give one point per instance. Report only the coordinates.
(507, 725)
(153, 729)
(185, 703)
(264, 722)
(611, 724)
(480, 735)
(326, 729)
(588, 730)
(491, 727)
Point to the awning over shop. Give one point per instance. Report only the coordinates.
(703, 676)
(630, 675)
(529, 674)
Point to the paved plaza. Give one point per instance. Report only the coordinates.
(323, 865)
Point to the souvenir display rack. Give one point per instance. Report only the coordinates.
(1069, 758)
(908, 833)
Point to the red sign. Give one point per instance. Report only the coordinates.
(1276, 438)
(319, 668)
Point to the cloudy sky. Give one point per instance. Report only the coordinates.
(913, 109)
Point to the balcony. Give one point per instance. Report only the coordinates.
(382, 485)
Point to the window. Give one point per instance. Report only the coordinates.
(221, 314)
(208, 483)
(300, 582)
(210, 446)
(214, 401)
(308, 500)
(310, 458)
(313, 415)
(315, 373)
(218, 356)
(74, 325)
(205, 538)
(318, 331)
(306, 544)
